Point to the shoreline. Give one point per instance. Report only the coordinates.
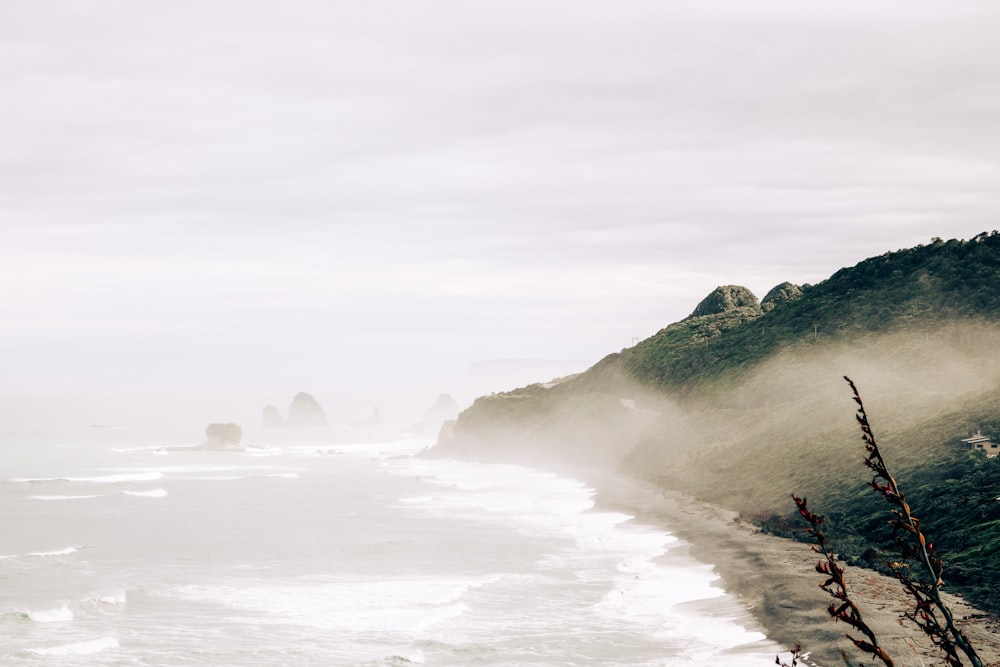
(775, 580)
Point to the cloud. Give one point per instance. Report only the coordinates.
(465, 179)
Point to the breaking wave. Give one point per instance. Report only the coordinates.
(59, 552)
(80, 648)
(154, 493)
(99, 479)
(57, 615)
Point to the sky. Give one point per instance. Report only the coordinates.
(267, 197)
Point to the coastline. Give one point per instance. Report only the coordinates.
(775, 579)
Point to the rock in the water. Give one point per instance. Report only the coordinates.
(305, 412)
(272, 418)
(223, 436)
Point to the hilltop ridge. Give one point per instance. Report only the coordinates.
(915, 288)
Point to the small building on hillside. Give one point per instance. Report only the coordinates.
(982, 443)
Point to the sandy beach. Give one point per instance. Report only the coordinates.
(776, 579)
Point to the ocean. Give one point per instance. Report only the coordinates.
(116, 550)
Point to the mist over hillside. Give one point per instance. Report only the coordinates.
(786, 424)
(744, 402)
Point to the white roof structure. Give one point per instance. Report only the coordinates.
(977, 439)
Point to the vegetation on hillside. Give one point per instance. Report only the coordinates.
(741, 403)
(909, 288)
(959, 499)
(914, 563)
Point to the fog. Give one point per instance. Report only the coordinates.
(789, 426)
(749, 440)
(180, 417)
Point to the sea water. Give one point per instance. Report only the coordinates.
(116, 550)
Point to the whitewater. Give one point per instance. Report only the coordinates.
(119, 551)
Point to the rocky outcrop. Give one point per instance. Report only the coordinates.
(227, 436)
(780, 294)
(725, 299)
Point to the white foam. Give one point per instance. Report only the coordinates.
(378, 451)
(58, 615)
(180, 469)
(407, 657)
(100, 479)
(80, 648)
(60, 552)
(409, 606)
(416, 500)
(113, 598)
(264, 451)
(385, 450)
(126, 450)
(215, 478)
(535, 502)
(436, 616)
(98, 495)
(211, 473)
(153, 493)
(665, 599)
(125, 477)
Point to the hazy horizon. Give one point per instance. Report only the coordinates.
(259, 199)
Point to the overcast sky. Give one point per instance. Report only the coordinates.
(303, 194)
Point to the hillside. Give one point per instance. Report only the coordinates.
(743, 402)
(917, 288)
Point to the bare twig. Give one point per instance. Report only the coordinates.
(930, 613)
(794, 654)
(843, 608)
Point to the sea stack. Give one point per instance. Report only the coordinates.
(305, 412)
(271, 418)
(223, 437)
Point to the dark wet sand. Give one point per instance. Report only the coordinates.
(776, 580)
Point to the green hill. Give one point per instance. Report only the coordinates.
(743, 402)
(900, 291)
